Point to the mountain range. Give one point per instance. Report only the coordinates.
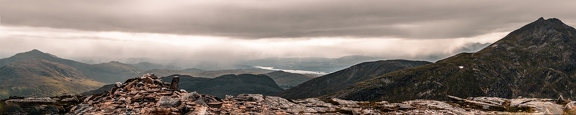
(104, 72)
(537, 60)
(206, 73)
(42, 78)
(283, 79)
(42, 74)
(230, 84)
(35, 73)
(318, 64)
(339, 80)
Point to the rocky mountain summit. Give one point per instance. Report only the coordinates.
(537, 60)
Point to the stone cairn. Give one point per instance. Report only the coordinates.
(144, 95)
(148, 95)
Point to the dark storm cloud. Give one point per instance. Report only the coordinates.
(287, 19)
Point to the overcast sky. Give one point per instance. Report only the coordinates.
(228, 31)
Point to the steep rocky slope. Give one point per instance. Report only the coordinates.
(341, 79)
(537, 60)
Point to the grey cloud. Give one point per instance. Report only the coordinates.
(288, 19)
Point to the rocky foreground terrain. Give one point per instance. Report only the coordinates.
(149, 95)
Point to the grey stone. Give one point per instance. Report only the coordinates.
(174, 84)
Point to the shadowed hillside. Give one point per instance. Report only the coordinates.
(341, 79)
(228, 84)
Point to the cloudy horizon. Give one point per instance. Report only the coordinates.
(229, 31)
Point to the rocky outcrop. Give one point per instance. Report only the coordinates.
(142, 95)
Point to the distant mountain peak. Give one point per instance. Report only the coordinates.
(554, 20)
(540, 19)
(35, 53)
(35, 50)
(537, 35)
(549, 21)
(115, 62)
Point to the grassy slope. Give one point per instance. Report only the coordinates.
(42, 78)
